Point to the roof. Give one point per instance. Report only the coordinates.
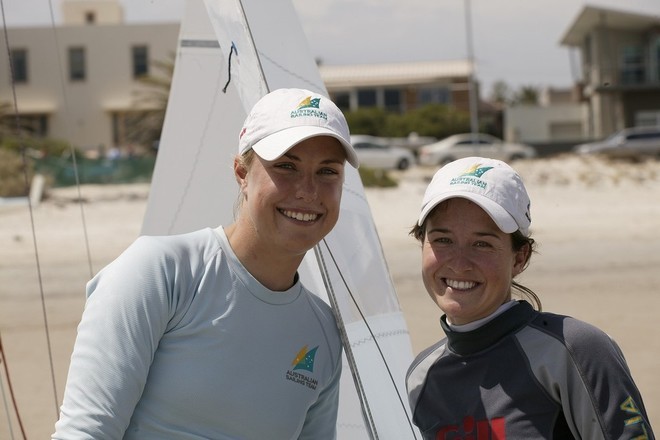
(591, 17)
(393, 74)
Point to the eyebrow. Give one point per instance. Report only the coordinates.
(480, 234)
(326, 161)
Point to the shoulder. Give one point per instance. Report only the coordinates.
(191, 242)
(417, 374)
(423, 362)
(154, 255)
(322, 311)
(582, 339)
(568, 328)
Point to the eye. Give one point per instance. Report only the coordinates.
(482, 244)
(330, 171)
(439, 240)
(285, 165)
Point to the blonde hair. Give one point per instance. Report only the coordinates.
(244, 160)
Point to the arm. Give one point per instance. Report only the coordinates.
(583, 368)
(613, 394)
(127, 311)
(321, 419)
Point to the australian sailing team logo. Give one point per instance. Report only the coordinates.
(472, 176)
(309, 107)
(304, 360)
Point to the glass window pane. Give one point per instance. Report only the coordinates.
(77, 64)
(140, 61)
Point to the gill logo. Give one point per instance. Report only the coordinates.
(309, 103)
(304, 360)
(484, 429)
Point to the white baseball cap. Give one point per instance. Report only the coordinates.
(285, 117)
(492, 184)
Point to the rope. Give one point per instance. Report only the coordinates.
(232, 50)
(3, 361)
(371, 425)
(366, 322)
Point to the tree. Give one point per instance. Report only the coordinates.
(528, 95)
(501, 93)
(145, 123)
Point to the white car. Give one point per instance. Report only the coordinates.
(463, 145)
(630, 142)
(375, 152)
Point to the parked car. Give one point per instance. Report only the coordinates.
(375, 152)
(630, 142)
(463, 145)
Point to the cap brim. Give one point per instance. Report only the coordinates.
(500, 216)
(275, 145)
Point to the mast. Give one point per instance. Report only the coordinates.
(474, 109)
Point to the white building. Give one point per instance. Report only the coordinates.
(79, 81)
(558, 118)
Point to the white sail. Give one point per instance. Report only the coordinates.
(231, 53)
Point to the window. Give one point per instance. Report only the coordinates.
(342, 100)
(392, 100)
(632, 65)
(77, 63)
(19, 64)
(140, 61)
(367, 98)
(433, 95)
(654, 67)
(34, 124)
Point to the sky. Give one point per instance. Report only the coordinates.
(515, 41)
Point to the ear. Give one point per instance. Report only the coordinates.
(520, 260)
(240, 173)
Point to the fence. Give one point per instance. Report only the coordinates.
(61, 172)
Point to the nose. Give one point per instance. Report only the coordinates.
(307, 188)
(459, 260)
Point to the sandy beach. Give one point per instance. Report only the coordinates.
(597, 225)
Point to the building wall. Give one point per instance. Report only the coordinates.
(82, 111)
(618, 92)
(554, 123)
(80, 12)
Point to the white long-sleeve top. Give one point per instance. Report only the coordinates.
(179, 341)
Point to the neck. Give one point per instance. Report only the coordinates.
(272, 269)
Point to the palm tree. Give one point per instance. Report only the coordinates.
(144, 124)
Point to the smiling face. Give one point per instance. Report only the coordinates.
(468, 263)
(291, 203)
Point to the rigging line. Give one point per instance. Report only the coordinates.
(321, 261)
(74, 160)
(254, 46)
(6, 405)
(20, 135)
(3, 360)
(232, 50)
(366, 322)
(313, 85)
(346, 342)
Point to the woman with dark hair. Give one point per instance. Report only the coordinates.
(506, 369)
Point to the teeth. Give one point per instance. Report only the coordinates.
(460, 285)
(300, 216)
